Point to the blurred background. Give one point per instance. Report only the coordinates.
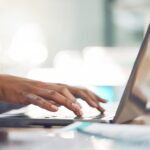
(79, 42)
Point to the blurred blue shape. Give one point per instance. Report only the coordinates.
(106, 92)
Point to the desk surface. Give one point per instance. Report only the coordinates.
(43, 139)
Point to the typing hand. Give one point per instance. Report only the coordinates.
(46, 95)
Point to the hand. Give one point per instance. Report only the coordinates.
(46, 95)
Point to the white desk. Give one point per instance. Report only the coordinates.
(44, 139)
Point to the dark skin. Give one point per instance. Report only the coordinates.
(46, 95)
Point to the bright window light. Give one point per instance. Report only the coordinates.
(28, 46)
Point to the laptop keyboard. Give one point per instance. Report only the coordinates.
(38, 113)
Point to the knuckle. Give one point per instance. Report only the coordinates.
(26, 88)
(24, 94)
(30, 97)
(68, 103)
(21, 93)
(86, 90)
(39, 99)
(41, 102)
(63, 89)
(52, 92)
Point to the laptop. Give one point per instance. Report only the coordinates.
(135, 100)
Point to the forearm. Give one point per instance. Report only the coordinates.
(5, 86)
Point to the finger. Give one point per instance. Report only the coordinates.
(87, 98)
(100, 99)
(67, 94)
(62, 89)
(39, 101)
(91, 101)
(95, 97)
(74, 91)
(70, 96)
(46, 93)
(60, 99)
(54, 103)
(101, 109)
(43, 93)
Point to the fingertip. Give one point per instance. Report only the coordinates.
(54, 108)
(103, 100)
(102, 110)
(76, 106)
(93, 104)
(77, 109)
(79, 113)
(79, 104)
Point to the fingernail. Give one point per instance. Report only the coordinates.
(101, 109)
(81, 113)
(105, 101)
(54, 107)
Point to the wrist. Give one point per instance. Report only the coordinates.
(2, 87)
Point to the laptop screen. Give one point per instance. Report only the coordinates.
(136, 98)
(141, 86)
